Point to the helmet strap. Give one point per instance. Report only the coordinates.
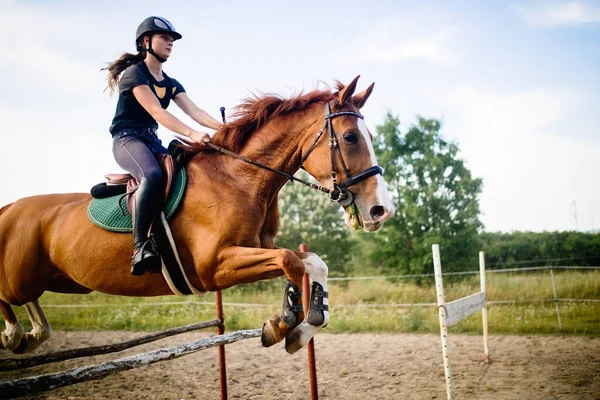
(151, 51)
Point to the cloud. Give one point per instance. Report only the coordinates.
(571, 13)
(58, 52)
(531, 169)
(392, 41)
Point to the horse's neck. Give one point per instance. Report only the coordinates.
(278, 145)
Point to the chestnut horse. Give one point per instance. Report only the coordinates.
(225, 228)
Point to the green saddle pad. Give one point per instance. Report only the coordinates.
(106, 212)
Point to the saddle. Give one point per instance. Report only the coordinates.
(126, 184)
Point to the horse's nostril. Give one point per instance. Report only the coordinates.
(377, 212)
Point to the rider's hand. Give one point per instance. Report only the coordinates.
(200, 138)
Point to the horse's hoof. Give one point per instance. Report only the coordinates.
(294, 340)
(21, 348)
(271, 332)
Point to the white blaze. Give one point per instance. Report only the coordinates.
(382, 194)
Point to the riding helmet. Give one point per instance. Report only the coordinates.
(153, 25)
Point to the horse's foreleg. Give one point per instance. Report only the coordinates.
(245, 265)
(276, 328)
(318, 310)
(11, 336)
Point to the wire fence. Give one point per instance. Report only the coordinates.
(195, 301)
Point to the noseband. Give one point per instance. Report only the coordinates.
(338, 193)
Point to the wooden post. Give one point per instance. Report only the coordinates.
(439, 288)
(555, 299)
(484, 315)
(312, 370)
(221, 350)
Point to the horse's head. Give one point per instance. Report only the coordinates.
(344, 161)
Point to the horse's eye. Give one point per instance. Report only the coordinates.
(350, 138)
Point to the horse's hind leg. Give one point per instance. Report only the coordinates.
(14, 339)
(40, 331)
(11, 336)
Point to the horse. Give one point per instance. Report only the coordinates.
(226, 226)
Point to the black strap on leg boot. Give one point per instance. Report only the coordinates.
(316, 315)
(292, 305)
(145, 258)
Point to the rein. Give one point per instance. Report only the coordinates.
(338, 193)
(290, 177)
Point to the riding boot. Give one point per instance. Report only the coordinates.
(145, 257)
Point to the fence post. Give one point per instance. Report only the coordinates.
(312, 369)
(555, 299)
(221, 349)
(484, 315)
(439, 288)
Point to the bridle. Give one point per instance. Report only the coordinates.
(338, 193)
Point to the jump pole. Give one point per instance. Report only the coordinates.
(312, 370)
(27, 362)
(455, 311)
(42, 383)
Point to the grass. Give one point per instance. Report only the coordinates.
(356, 306)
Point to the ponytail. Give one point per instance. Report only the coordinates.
(116, 67)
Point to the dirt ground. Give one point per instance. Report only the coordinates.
(350, 366)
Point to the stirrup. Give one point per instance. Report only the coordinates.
(145, 259)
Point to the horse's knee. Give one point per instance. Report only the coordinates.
(292, 266)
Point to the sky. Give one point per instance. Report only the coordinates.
(516, 85)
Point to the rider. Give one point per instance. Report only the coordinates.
(144, 94)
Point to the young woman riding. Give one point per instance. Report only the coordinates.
(144, 94)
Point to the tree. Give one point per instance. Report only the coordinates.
(436, 199)
(307, 216)
(530, 249)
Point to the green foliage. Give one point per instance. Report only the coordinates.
(307, 216)
(436, 199)
(545, 248)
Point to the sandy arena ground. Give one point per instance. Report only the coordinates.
(350, 366)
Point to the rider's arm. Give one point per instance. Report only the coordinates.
(148, 100)
(197, 114)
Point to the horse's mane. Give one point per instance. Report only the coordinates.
(254, 112)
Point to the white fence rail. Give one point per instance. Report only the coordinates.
(460, 309)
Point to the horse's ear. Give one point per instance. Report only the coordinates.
(347, 91)
(360, 99)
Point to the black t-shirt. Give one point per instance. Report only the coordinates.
(130, 114)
